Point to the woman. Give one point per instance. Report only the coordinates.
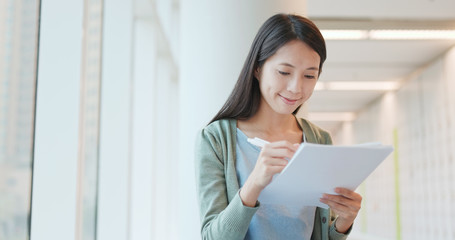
(279, 75)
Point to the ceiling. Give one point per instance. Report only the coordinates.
(359, 60)
(373, 60)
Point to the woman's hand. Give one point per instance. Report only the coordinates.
(346, 206)
(271, 160)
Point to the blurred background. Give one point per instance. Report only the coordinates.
(100, 102)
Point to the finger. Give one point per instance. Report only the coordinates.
(278, 152)
(284, 143)
(340, 210)
(272, 170)
(349, 203)
(335, 206)
(275, 161)
(348, 193)
(338, 199)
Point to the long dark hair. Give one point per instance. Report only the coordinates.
(278, 30)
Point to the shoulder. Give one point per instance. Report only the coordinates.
(215, 140)
(314, 127)
(221, 125)
(218, 131)
(320, 135)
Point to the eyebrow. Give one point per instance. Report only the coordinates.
(290, 65)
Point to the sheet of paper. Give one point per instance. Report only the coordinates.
(316, 169)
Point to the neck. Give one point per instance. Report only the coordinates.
(270, 122)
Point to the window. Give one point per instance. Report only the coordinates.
(18, 54)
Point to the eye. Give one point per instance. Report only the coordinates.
(310, 76)
(283, 73)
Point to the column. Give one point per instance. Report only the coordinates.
(114, 174)
(57, 121)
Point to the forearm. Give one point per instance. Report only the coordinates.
(231, 223)
(334, 234)
(249, 193)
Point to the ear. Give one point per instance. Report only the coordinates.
(257, 73)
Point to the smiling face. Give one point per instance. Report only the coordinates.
(287, 79)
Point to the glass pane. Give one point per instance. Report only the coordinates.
(89, 120)
(18, 54)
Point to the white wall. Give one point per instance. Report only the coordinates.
(411, 193)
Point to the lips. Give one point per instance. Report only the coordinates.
(288, 101)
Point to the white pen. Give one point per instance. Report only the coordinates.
(257, 142)
(261, 142)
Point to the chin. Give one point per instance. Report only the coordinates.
(285, 111)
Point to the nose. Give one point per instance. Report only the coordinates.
(295, 85)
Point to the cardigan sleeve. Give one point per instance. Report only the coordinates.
(333, 234)
(220, 219)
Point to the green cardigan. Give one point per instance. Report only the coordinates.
(223, 215)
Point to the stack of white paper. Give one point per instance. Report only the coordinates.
(317, 169)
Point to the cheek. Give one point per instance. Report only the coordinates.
(308, 89)
(268, 85)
